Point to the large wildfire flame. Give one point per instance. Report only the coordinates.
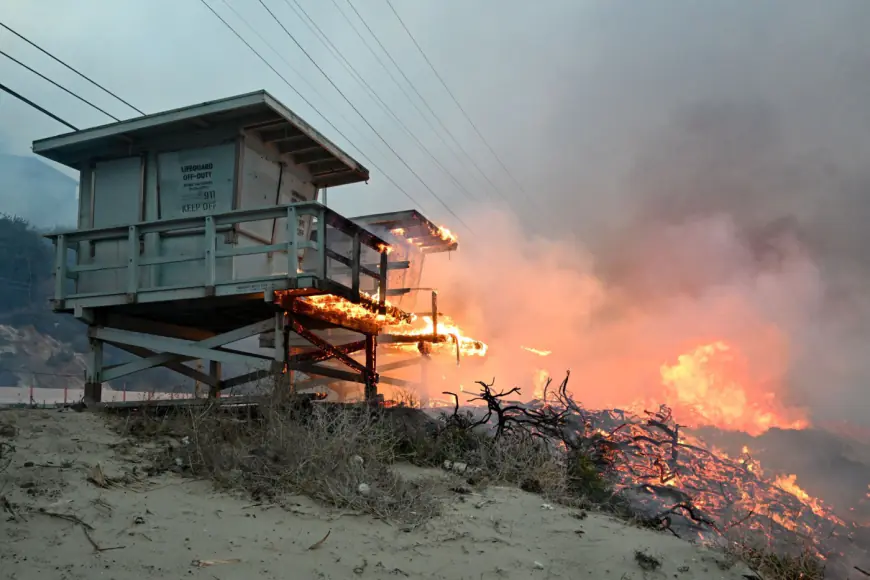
(709, 386)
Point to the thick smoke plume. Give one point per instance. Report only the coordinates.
(694, 173)
(680, 286)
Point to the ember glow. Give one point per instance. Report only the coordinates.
(709, 386)
(441, 232)
(537, 351)
(450, 334)
(365, 312)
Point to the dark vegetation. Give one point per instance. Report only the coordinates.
(26, 283)
(26, 286)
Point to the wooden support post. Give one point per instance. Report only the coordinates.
(371, 384)
(214, 371)
(94, 373)
(434, 315)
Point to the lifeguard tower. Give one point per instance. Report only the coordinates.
(200, 227)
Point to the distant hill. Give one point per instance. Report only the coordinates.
(34, 190)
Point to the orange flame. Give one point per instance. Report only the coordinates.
(788, 483)
(449, 332)
(706, 385)
(441, 232)
(447, 235)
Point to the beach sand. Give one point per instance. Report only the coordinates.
(178, 528)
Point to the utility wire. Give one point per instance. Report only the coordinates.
(452, 148)
(422, 98)
(307, 102)
(375, 131)
(283, 59)
(312, 25)
(58, 85)
(82, 75)
(455, 100)
(27, 101)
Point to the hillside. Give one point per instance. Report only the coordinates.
(33, 190)
(39, 348)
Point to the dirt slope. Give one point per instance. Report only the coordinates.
(178, 528)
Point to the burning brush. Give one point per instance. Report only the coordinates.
(671, 479)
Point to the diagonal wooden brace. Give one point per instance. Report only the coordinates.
(174, 349)
(331, 350)
(321, 355)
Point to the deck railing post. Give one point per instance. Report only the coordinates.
(355, 258)
(132, 262)
(292, 242)
(210, 249)
(382, 282)
(323, 262)
(60, 252)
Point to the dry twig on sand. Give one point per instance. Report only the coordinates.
(86, 528)
(7, 506)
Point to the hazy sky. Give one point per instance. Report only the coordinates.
(575, 96)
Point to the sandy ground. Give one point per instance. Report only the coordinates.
(176, 528)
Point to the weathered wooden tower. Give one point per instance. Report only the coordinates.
(200, 227)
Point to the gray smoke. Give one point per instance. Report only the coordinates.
(704, 154)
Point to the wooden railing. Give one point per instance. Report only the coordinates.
(208, 226)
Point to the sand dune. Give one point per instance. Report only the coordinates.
(175, 528)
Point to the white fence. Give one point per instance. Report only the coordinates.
(49, 397)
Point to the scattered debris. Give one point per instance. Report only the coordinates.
(361, 568)
(207, 563)
(7, 506)
(98, 478)
(86, 528)
(647, 561)
(319, 543)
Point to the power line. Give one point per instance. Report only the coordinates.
(375, 131)
(82, 75)
(287, 63)
(312, 25)
(455, 100)
(35, 106)
(417, 92)
(402, 88)
(307, 102)
(58, 85)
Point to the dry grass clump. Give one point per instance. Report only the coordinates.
(778, 563)
(516, 457)
(341, 455)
